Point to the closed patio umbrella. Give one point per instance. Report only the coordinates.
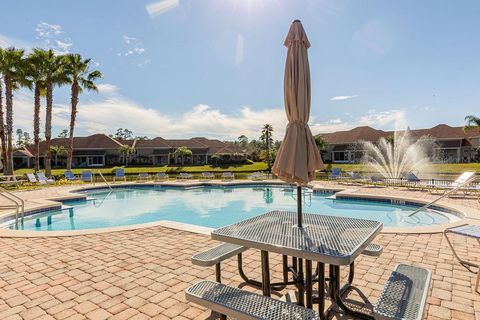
(298, 157)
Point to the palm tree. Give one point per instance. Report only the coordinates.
(58, 151)
(54, 75)
(267, 140)
(12, 67)
(472, 122)
(322, 145)
(2, 126)
(126, 150)
(36, 72)
(80, 78)
(182, 152)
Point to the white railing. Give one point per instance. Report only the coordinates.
(18, 204)
(104, 180)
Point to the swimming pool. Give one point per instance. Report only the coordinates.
(212, 206)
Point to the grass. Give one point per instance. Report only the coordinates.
(250, 167)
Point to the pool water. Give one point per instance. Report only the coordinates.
(212, 206)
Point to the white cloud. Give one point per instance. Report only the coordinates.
(107, 88)
(239, 50)
(53, 37)
(377, 119)
(111, 110)
(6, 42)
(157, 8)
(134, 47)
(337, 98)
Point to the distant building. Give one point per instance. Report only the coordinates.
(451, 144)
(101, 150)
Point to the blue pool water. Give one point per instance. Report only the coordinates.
(212, 207)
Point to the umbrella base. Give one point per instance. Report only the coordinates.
(305, 226)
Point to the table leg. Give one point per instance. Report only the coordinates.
(335, 295)
(265, 274)
(321, 290)
(285, 268)
(308, 283)
(301, 286)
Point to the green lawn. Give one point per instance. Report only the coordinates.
(251, 167)
(434, 168)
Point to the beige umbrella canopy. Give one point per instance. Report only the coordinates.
(298, 156)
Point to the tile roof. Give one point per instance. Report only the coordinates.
(95, 141)
(365, 133)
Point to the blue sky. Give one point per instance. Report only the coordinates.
(215, 67)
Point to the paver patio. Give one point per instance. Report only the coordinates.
(141, 274)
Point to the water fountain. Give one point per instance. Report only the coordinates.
(392, 159)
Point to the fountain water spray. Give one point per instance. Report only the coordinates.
(392, 159)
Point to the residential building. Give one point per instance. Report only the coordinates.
(449, 144)
(101, 150)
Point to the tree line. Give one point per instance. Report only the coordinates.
(40, 71)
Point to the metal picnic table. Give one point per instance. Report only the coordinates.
(336, 241)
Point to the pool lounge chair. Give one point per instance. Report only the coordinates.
(31, 178)
(411, 180)
(257, 176)
(208, 175)
(143, 177)
(470, 231)
(185, 176)
(228, 175)
(335, 174)
(161, 176)
(42, 179)
(70, 176)
(119, 175)
(460, 184)
(87, 176)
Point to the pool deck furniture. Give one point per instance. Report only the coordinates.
(11, 180)
(119, 175)
(185, 176)
(42, 179)
(404, 295)
(208, 175)
(143, 176)
(466, 230)
(335, 174)
(161, 176)
(68, 174)
(31, 178)
(336, 241)
(259, 176)
(239, 304)
(87, 176)
(228, 175)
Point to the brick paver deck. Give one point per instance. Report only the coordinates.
(141, 274)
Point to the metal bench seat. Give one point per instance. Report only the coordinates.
(217, 254)
(373, 250)
(241, 304)
(404, 295)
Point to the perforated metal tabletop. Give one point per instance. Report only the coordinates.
(328, 239)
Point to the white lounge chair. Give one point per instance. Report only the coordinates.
(228, 175)
(31, 178)
(185, 176)
(42, 179)
(257, 176)
(161, 176)
(143, 177)
(208, 175)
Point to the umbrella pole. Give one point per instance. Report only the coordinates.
(299, 206)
